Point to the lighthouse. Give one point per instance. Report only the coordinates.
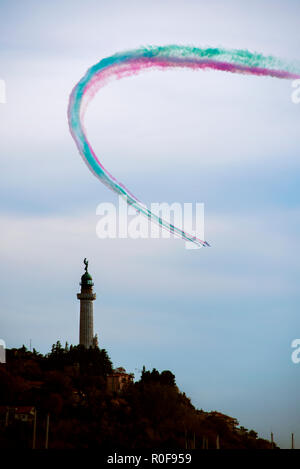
(86, 297)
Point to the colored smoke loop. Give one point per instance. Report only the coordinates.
(131, 63)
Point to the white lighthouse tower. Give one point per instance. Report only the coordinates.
(86, 297)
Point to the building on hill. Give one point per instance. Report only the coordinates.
(22, 413)
(118, 380)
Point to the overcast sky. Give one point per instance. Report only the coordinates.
(221, 319)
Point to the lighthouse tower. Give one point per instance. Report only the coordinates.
(86, 297)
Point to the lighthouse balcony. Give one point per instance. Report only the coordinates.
(86, 296)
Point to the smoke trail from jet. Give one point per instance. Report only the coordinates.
(132, 62)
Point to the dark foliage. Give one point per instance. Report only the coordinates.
(70, 384)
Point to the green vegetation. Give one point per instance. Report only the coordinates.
(70, 384)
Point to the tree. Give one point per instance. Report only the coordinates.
(165, 377)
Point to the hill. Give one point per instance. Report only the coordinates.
(70, 384)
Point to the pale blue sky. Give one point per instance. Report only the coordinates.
(222, 319)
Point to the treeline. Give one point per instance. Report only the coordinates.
(70, 384)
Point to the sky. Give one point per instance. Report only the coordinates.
(222, 319)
